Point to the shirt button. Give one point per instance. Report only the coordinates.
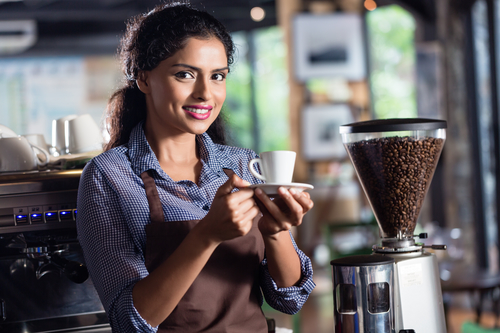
(206, 207)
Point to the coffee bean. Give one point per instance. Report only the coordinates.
(396, 173)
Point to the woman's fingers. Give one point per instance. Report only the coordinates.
(304, 199)
(276, 211)
(289, 206)
(232, 212)
(283, 212)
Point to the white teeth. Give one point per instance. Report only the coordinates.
(199, 111)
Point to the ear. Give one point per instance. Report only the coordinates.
(143, 83)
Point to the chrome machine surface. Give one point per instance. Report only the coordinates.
(363, 294)
(44, 282)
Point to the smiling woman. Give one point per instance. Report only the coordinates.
(184, 96)
(172, 233)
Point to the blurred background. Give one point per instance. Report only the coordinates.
(302, 68)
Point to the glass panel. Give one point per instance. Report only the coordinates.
(262, 76)
(34, 91)
(346, 299)
(237, 107)
(485, 123)
(379, 300)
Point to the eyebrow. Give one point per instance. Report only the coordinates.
(199, 69)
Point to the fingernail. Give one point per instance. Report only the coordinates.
(258, 191)
(292, 191)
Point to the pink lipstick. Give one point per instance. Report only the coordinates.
(200, 112)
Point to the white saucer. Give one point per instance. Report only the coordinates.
(272, 188)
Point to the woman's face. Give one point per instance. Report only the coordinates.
(185, 93)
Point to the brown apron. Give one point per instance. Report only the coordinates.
(225, 295)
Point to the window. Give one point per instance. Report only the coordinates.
(257, 91)
(391, 32)
(484, 118)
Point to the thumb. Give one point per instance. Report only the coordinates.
(233, 182)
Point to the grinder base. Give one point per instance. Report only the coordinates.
(418, 297)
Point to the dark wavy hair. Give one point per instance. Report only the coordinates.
(149, 39)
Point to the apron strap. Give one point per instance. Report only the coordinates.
(228, 172)
(155, 208)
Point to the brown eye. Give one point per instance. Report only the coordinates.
(184, 75)
(219, 77)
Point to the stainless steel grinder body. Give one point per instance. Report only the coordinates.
(363, 294)
(417, 294)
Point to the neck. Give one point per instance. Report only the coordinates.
(177, 154)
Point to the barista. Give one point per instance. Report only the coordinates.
(172, 234)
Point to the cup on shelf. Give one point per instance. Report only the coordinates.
(18, 154)
(75, 134)
(37, 140)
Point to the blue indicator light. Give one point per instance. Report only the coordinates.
(20, 216)
(35, 215)
(49, 214)
(64, 213)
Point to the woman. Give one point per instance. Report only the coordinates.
(165, 215)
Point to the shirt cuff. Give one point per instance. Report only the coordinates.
(289, 299)
(127, 315)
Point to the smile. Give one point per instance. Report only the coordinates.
(198, 111)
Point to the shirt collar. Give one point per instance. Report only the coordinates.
(140, 153)
(213, 154)
(143, 158)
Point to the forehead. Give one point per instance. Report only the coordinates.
(207, 52)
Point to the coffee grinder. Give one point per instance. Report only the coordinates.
(397, 288)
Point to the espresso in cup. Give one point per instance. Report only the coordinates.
(276, 166)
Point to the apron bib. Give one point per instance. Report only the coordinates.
(225, 295)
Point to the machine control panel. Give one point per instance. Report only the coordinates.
(44, 214)
(38, 201)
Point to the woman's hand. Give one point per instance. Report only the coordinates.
(279, 216)
(231, 214)
(284, 212)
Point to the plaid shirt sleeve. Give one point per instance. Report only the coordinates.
(113, 260)
(291, 299)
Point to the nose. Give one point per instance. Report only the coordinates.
(202, 90)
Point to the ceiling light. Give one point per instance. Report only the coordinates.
(370, 5)
(17, 36)
(257, 14)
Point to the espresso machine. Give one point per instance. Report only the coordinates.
(397, 288)
(44, 284)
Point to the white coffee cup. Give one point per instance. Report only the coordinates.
(17, 154)
(6, 132)
(276, 166)
(59, 142)
(37, 140)
(76, 134)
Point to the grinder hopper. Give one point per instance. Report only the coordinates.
(395, 160)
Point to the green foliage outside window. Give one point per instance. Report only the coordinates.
(237, 108)
(270, 84)
(391, 42)
(272, 90)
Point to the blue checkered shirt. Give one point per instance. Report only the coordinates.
(113, 211)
